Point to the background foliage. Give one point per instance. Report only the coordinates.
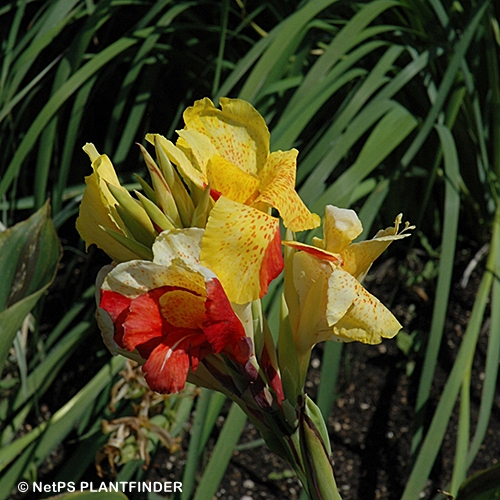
(394, 106)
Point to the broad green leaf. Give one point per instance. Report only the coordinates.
(29, 254)
(484, 485)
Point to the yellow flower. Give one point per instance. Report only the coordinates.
(122, 229)
(331, 302)
(228, 151)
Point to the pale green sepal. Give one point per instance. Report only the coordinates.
(321, 483)
(185, 204)
(316, 416)
(202, 210)
(133, 208)
(134, 228)
(163, 192)
(258, 328)
(290, 413)
(287, 357)
(155, 214)
(140, 250)
(148, 190)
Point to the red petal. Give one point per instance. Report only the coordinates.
(166, 370)
(222, 327)
(144, 323)
(168, 364)
(117, 306)
(272, 264)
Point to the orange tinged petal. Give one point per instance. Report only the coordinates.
(278, 190)
(319, 253)
(241, 246)
(183, 309)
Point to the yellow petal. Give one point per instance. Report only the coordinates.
(182, 244)
(310, 279)
(358, 257)
(340, 227)
(197, 147)
(278, 190)
(137, 277)
(97, 210)
(367, 320)
(230, 181)
(242, 247)
(238, 132)
(183, 309)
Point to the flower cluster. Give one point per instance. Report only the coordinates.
(195, 250)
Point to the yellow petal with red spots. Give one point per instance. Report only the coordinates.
(242, 247)
(230, 181)
(135, 278)
(277, 189)
(365, 318)
(183, 309)
(238, 132)
(184, 244)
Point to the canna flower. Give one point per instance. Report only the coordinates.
(122, 229)
(332, 303)
(227, 150)
(170, 313)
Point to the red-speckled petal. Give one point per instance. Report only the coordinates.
(278, 190)
(238, 132)
(230, 181)
(242, 247)
(356, 314)
(183, 309)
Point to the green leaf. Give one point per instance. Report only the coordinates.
(484, 485)
(29, 255)
(222, 453)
